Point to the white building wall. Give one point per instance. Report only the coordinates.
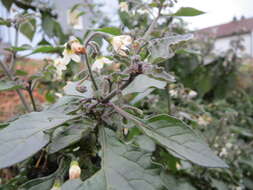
(224, 44)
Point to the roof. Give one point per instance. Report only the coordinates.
(234, 27)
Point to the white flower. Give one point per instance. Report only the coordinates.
(69, 55)
(121, 44)
(99, 63)
(72, 51)
(75, 170)
(60, 66)
(223, 152)
(192, 94)
(123, 7)
(173, 93)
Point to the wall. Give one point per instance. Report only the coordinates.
(62, 8)
(223, 44)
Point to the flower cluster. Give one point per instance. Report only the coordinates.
(73, 50)
(121, 44)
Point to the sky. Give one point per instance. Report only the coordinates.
(217, 11)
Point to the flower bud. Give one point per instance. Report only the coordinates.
(125, 131)
(74, 170)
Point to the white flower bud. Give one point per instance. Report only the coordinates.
(74, 170)
(125, 131)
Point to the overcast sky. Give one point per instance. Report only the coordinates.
(217, 11)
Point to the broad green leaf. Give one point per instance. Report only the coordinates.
(71, 89)
(28, 28)
(48, 25)
(9, 85)
(188, 11)
(178, 138)
(48, 49)
(26, 135)
(123, 167)
(110, 30)
(160, 49)
(7, 4)
(175, 183)
(141, 83)
(65, 137)
(219, 185)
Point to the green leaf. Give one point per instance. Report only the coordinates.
(48, 49)
(160, 49)
(9, 85)
(66, 137)
(21, 48)
(110, 30)
(123, 167)
(188, 11)
(177, 183)
(48, 25)
(28, 28)
(26, 135)
(5, 22)
(178, 138)
(21, 72)
(7, 4)
(141, 83)
(71, 89)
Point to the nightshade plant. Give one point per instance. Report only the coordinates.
(99, 109)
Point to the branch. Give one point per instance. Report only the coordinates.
(122, 87)
(21, 95)
(152, 25)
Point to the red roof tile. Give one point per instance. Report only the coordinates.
(228, 29)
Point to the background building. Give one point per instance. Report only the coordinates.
(224, 34)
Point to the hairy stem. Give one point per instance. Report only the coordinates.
(30, 92)
(86, 60)
(19, 92)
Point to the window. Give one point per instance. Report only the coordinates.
(75, 19)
